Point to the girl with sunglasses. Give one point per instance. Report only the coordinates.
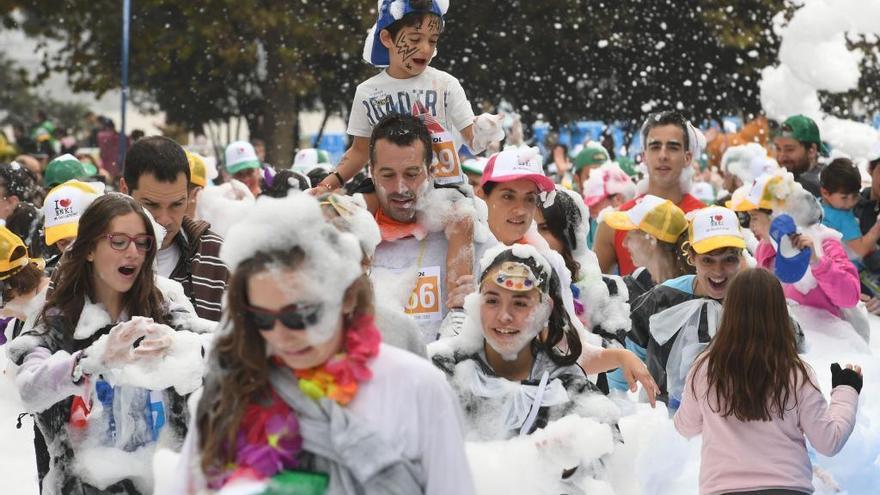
(94, 366)
(303, 397)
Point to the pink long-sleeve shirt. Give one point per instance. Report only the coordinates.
(762, 455)
(837, 280)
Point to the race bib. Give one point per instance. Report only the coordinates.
(424, 301)
(446, 166)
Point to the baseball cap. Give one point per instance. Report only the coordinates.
(517, 163)
(804, 129)
(791, 263)
(656, 216)
(767, 192)
(738, 201)
(198, 171)
(474, 165)
(240, 155)
(389, 12)
(63, 207)
(713, 228)
(605, 181)
(628, 165)
(13, 253)
(308, 159)
(63, 169)
(592, 155)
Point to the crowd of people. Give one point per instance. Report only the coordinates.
(353, 329)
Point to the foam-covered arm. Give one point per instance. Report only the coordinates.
(837, 276)
(827, 426)
(44, 378)
(688, 418)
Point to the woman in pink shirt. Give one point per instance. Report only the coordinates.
(753, 399)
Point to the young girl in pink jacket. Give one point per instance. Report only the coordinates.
(754, 400)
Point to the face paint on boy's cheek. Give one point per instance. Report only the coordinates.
(404, 49)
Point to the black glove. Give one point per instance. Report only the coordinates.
(845, 376)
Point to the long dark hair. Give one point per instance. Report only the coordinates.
(562, 219)
(752, 365)
(559, 325)
(73, 278)
(240, 368)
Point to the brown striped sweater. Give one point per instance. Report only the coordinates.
(199, 268)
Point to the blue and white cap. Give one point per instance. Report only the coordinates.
(791, 263)
(390, 11)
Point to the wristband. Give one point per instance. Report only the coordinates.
(338, 177)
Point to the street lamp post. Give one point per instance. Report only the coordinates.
(126, 22)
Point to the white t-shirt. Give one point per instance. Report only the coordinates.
(166, 259)
(409, 403)
(439, 92)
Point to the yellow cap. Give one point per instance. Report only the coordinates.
(62, 208)
(739, 200)
(767, 192)
(713, 228)
(198, 171)
(13, 253)
(655, 216)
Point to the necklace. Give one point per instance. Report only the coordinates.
(269, 439)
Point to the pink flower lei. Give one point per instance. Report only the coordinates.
(268, 440)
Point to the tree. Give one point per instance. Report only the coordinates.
(566, 60)
(19, 104)
(210, 60)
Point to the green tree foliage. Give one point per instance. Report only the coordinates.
(564, 60)
(209, 60)
(555, 60)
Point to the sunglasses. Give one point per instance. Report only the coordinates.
(294, 316)
(120, 242)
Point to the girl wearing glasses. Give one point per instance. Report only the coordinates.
(302, 395)
(107, 359)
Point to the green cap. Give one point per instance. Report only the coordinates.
(63, 169)
(803, 129)
(592, 155)
(628, 165)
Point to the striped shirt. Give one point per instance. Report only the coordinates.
(199, 268)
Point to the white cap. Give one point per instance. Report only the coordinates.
(63, 207)
(713, 228)
(240, 155)
(308, 159)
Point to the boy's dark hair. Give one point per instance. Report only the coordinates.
(841, 176)
(284, 181)
(661, 119)
(872, 165)
(19, 182)
(413, 18)
(402, 130)
(156, 155)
